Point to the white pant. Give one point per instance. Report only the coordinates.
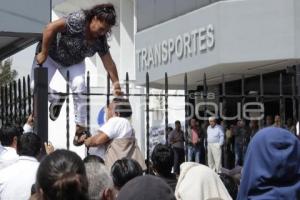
(214, 156)
(76, 81)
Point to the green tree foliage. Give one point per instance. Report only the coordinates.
(7, 75)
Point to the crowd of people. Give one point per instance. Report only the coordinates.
(270, 156)
(215, 143)
(271, 167)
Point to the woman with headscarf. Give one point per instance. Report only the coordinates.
(272, 166)
(198, 181)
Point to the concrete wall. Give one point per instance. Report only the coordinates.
(152, 12)
(296, 6)
(28, 16)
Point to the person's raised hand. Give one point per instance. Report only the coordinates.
(49, 147)
(118, 92)
(41, 58)
(30, 120)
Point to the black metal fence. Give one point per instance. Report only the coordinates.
(16, 100)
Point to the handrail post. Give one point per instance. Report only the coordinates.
(41, 102)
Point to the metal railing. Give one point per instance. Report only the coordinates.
(16, 103)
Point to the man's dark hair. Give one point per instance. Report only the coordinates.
(93, 158)
(7, 134)
(230, 185)
(177, 122)
(163, 159)
(122, 106)
(62, 175)
(146, 188)
(29, 144)
(194, 118)
(124, 170)
(169, 129)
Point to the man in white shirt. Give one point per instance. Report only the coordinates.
(117, 125)
(8, 138)
(17, 179)
(117, 134)
(215, 140)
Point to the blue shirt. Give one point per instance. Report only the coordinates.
(215, 134)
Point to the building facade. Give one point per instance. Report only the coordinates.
(238, 41)
(225, 40)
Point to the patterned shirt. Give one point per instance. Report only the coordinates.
(71, 47)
